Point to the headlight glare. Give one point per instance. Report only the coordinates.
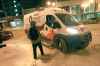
(72, 31)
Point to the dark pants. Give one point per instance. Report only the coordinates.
(1, 41)
(35, 49)
(1, 26)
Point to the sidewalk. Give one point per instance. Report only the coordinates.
(19, 52)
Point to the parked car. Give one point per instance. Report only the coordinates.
(6, 35)
(16, 23)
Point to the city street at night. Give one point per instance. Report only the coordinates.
(49, 32)
(18, 52)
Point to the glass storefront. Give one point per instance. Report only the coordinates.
(85, 13)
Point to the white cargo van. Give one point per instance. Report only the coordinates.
(60, 29)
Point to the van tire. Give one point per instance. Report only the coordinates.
(61, 44)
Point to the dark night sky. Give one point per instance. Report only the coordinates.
(28, 3)
(31, 3)
(1, 14)
(0, 5)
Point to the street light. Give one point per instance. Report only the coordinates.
(16, 10)
(48, 3)
(85, 5)
(14, 1)
(53, 3)
(15, 6)
(17, 14)
(91, 1)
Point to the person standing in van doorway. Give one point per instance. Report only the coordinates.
(35, 37)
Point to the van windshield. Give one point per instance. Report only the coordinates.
(67, 19)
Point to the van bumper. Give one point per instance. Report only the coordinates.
(79, 41)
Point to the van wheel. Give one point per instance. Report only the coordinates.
(61, 44)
